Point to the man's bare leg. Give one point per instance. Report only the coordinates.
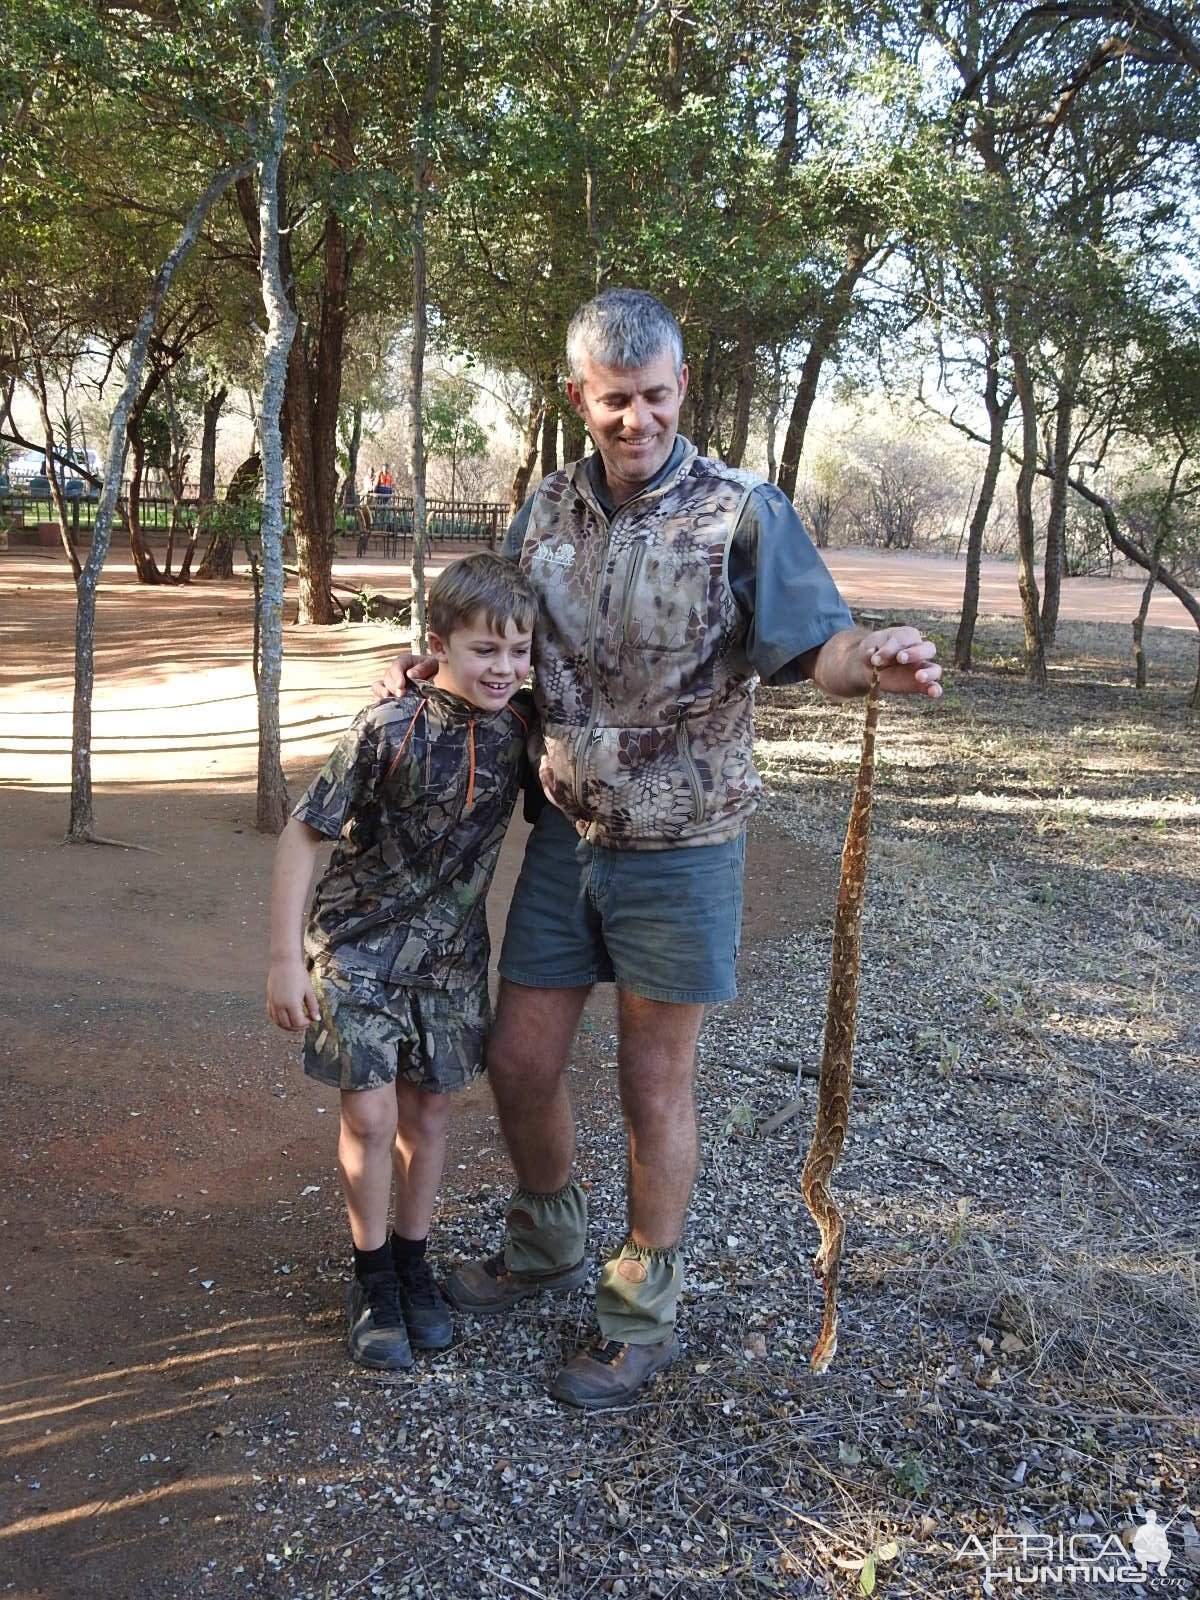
(528, 1051)
(635, 1300)
(656, 1065)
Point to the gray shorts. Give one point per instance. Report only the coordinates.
(370, 1034)
(663, 924)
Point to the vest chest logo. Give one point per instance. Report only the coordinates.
(559, 555)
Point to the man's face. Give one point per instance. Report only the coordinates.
(633, 415)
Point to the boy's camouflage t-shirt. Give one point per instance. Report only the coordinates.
(418, 794)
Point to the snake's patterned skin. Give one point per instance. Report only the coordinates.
(837, 1057)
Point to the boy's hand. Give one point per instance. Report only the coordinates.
(291, 1002)
(395, 680)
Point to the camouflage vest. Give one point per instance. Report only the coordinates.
(642, 685)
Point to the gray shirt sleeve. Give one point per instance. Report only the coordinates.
(783, 586)
(515, 537)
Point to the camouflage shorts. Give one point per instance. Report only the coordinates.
(370, 1033)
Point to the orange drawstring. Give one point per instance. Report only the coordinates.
(470, 750)
(403, 742)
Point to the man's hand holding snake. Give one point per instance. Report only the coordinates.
(904, 660)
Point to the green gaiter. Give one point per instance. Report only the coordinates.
(635, 1300)
(546, 1232)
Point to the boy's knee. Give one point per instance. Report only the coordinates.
(369, 1114)
(420, 1113)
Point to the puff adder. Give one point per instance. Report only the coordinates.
(837, 1055)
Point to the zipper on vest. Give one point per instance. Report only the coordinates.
(593, 617)
(684, 746)
(635, 572)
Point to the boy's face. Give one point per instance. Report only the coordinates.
(480, 665)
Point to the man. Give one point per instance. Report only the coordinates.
(668, 584)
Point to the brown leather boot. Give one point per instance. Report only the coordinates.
(488, 1286)
(610, 1374)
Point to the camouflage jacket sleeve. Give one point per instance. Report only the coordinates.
(346, 781)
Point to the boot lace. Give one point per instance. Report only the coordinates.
(382, 1293)
(419, 1282)
(609, 1352)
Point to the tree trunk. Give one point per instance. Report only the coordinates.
(1035, 654)
(549, 462)
(773, 410)
(214, 404)
(81, 827)
(743, 396)
(246, 484)
(1056, 522)
(421, 177)
(177, 462)
(56, 488)
(310, 407)
(702, 403)
(350, 488)
(217, 561)
(574, 437)
(1139, 621)
(143, 557)
(997, 419)
(272, 808)
(837, 309)
(533, 432)
(1134, 552)
(1162, 529)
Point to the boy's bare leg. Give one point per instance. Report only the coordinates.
(420, 1154)
(378, 1337)
(528, 1050)
(656, 1065)
(365, 1162)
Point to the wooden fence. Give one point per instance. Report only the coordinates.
(389, 518)
(390, 523)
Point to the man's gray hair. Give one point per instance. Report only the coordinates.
(623, 328)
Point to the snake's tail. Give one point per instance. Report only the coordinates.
(826, 1346)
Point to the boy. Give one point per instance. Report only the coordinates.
(391, 980)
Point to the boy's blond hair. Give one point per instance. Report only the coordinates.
(482, 583)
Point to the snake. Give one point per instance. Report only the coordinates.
(836, 1076)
